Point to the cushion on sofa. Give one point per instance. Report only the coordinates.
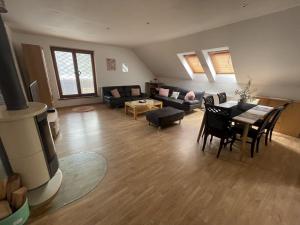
(135, 92)
(163, 92)
(175, 94)
(115, 93)
(190, 96)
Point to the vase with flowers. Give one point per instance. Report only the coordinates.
(245, 94)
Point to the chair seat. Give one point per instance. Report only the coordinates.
(221, 133)
(239, 129)
(260, 122)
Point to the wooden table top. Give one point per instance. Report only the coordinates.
(250, 116)
(148, 102)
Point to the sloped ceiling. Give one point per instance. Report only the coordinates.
(125, 22)
(265, 49)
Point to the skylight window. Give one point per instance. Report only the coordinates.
(194, 63)
(222, 62)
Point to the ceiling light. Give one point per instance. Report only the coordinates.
(244, 3)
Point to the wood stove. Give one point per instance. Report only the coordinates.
(26, 144)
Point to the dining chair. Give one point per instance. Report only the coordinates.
(209, 100)
(272, 124)
(254, 134)
(217, 124)
(222, 97)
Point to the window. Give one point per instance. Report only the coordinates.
(75, 72)
(194, 63)
(221, 61)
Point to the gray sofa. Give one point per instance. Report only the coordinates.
(180, 103)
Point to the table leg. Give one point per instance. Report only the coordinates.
(244, 140)
(134, 113)
(202, 126)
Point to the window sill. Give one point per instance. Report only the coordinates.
(78, 97)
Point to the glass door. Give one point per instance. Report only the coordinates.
(75, 72)
(85, 72)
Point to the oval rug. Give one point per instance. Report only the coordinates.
(86, 108)
(81, 174)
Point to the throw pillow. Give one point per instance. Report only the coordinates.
(164, 92)
(135, 92)
(175, 94)
(190, 96)
(115, 93)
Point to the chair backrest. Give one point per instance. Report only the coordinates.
(222, 97)
(277, 115)
(209, 100)
(267, 120)
(217, 118)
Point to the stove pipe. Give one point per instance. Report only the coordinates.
(10, 85)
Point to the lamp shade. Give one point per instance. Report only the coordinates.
(2, 7)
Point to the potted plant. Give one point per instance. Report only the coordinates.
(245, 93)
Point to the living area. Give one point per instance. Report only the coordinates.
(149, 112)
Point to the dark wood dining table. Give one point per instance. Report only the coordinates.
(246, 114)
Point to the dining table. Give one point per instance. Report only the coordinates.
(243, 113)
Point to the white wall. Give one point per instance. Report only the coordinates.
(265, 49)
(138, 72)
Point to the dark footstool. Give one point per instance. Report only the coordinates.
(165, 116)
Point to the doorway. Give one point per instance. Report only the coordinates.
(75, 72)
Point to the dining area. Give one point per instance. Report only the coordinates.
(231, 121)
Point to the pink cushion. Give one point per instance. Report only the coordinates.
(135, 92)
(190, 96)
(115, 93)
(164, 92)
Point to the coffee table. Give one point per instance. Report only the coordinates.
(136, 107)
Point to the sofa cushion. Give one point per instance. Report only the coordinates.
(189, 96)
(115, 93)
(175, 94)
(164, 92)
(135, 92)
(127, 89)
(168, 99)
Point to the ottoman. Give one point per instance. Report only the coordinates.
(165, 116)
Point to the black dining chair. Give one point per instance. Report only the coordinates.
(254, 134)
(272, 124)
(222, 97)
(217, 124)
(209, 100)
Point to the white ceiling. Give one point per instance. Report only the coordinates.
(124, 22)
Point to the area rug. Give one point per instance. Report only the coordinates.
(86, 108)
(81, 174)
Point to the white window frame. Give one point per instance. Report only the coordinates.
(211, 66)
(186, 64)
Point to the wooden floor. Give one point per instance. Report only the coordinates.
(161, 177)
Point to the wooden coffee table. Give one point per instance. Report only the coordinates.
(136, 107)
